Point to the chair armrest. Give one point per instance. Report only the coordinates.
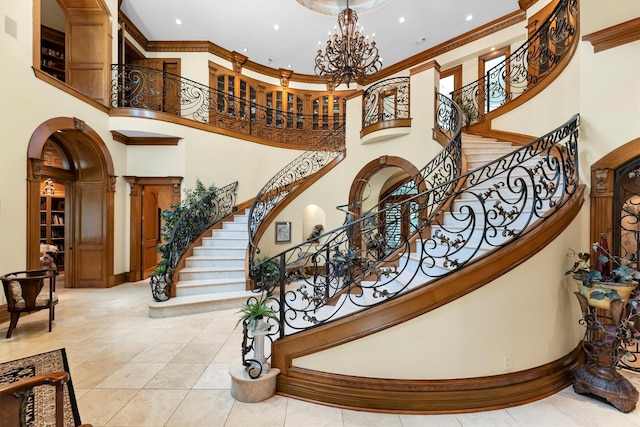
(50, 378)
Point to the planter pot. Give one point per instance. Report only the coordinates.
(600, 294)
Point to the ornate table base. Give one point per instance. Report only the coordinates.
(603, 344)
(607, 383)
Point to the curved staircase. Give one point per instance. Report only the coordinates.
(214, 275)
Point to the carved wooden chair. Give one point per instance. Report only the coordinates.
(25, 292)
(14, 399)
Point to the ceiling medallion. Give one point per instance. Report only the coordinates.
(349, 55)
(333, 7)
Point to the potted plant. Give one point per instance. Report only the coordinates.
(266, 272)
(255, 312)
(599, 284)
(469, 111)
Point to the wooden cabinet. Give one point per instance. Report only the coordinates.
(52, 225)
(52, 52)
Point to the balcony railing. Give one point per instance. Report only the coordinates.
(386, 104)
(524, 68)
(135, 86)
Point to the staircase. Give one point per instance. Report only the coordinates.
(213, 277)
(479, 151)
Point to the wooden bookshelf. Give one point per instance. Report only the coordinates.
(52, 52)
(52, 225)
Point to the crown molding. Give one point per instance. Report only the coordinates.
(617, 35)
(207, 46)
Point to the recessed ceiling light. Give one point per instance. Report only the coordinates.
(289, 66)
(469, 17)
(276, 27)
(401, 20)
(493, 48)
(178, 21)
(245, 49)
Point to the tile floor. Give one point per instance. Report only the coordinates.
(130, 370)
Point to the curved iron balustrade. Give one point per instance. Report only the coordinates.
(196, 220)
(524, 68)
(410, 244)
(296, 173)
(435, 179)
(386, 100)
(135, 86)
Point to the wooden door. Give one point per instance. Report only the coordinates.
(150, 231)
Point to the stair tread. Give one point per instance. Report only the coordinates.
(195, 299)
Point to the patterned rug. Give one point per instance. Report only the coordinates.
(30, 366)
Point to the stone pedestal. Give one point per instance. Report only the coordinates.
(245, 389)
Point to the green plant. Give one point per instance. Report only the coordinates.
(191, 198)
(265, 270)
(254, 310)
(469, 110)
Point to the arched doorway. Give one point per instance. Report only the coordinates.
(89, 186)
(384, 178)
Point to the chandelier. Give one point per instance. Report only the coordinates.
(348, 56)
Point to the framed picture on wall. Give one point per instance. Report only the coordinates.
(283, 232)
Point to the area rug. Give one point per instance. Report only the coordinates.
(40, 411)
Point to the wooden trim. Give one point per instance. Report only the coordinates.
(526, 4)
(458, 395)
(70, 90)
(501, 135)
(120, 278)
(428, 298)
(456, 72)
(433, 64)
(617, 35)
(4, 314)
(483, 31)
(132, 30)
(136, 184)
(602, 188)
(145, 140)
(385, 124)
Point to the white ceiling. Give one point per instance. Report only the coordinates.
(239, 24)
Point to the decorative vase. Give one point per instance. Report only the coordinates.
(600, 294)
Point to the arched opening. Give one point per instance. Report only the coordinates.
(86, 171)
(386, 178)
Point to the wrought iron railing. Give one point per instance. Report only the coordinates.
(294, 174)
(432, 179)
(524, 68)
(213, 207)
(386, 100)
(448, 120)
(135, 86)
(410, 244)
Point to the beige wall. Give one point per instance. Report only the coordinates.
(603, 87)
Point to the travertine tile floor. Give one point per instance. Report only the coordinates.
(130, 370)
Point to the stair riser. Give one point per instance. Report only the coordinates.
(213, 252)
(160, 311)
(209, 289)
(202, 275)
(205, 263)
(234, 226)
(230, 234)
(223, 243)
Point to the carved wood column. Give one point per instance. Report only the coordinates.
(601, 203)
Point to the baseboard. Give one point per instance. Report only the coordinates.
(119, 279)
(431, 396)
